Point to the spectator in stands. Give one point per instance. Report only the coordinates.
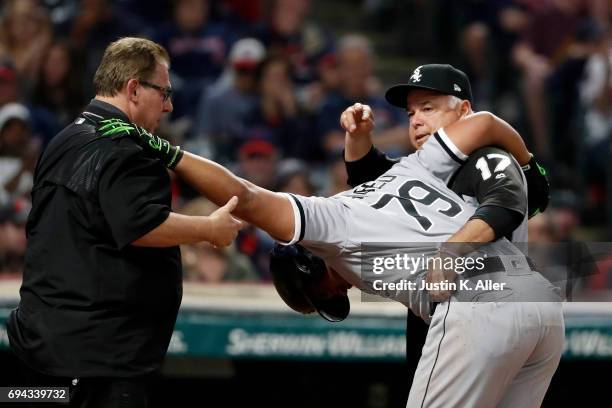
(542, 229)
(44, 123)
(479, 37)
(18, 152)
(357, 84)
(25, 34)
(294, 177)
(258, 161)
(95, 25)
(478, 62)
(336, 182)
(204, 263)
(278, 110)
(198, 48)
(153, 12)
(58, 88)
(565, 215)
(244, 11)
(9, 85)
(542, 55)
(227, 107)
(287, 32)
(13, 217)
(596, 98)
(312, 96)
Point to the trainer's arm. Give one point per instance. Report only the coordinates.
(220, 228)
(265, 209)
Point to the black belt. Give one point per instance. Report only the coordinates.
(491, 265)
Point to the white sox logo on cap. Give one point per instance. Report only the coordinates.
(456, 88)
(416, 75)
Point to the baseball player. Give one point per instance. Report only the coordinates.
(365, 163)
(478, 354)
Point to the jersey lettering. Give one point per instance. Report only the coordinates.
(483, 166)
(406, 198)
(369, 187)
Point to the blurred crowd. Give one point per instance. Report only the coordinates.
(259, 85)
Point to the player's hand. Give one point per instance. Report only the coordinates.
(441, 276)
(357, 120)
(538, 188)
(223, 226)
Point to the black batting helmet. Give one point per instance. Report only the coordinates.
(296, 273)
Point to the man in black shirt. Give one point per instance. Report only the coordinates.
(102, 281)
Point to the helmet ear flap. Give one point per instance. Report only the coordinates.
(296, 272)
(312, 266)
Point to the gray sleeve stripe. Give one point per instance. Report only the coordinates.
(302, 217)
(447, 150)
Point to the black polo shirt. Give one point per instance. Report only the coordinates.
(92, 304)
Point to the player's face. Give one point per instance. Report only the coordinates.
(429, 111)
(152, 103)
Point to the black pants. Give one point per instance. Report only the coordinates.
(102, 392)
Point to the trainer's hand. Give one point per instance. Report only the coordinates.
(441, 276)
(357, 120)
(223, 226)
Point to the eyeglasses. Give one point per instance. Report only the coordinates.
(166, 92)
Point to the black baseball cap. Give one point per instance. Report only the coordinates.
(443, 78)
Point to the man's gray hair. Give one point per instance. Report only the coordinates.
(453, 101)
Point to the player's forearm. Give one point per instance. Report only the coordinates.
(265, 209)
(485, 129)
(504, 136)
(474, 231)
(177, 229)
(214, 181)
(356, 146)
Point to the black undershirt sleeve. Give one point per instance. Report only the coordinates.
(495, 179)
(374, 164)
